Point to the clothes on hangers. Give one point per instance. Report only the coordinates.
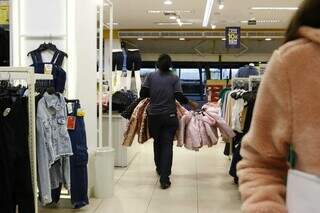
(53, 67)
(246, 71)
(53, 145)
(133, 60)
(16, 185)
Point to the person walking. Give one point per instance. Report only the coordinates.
(163, 88)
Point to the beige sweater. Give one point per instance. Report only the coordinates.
(287, 112)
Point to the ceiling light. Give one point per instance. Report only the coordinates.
(274, 8)
(182, 39)
(179, 22)
(207, 13)
(172, 23)
(221, 6)
(262, 21)
(140, 39)
(268, 39)
(154, 11)
(114, 24)
(168, 2)
(172, 17)
(223, 39)
(213, 26)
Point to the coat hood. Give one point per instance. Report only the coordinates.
(310, 33)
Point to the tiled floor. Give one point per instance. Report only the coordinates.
(200, 184)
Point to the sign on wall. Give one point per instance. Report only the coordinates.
(233, 37)
(4, 13)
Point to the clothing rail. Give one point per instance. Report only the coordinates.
(253, 80)
(27, 73)
(240, 82)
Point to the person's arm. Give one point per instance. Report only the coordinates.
(181, 98)
(145, 89)
(263, 170)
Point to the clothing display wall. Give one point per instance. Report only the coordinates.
(4, 47)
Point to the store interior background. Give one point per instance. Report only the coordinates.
(147, 25)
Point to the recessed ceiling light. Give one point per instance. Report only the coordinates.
(173, 17)
(167, 2)
(140, 39)
(182, 39)
(169, 11)
(262, 21)
(268, 39)
(274, 8)
(207, 13)
(115, 24)
(221, 6)
(179, 22)
(213, 26)
(223, 39)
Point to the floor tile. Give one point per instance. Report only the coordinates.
(172, 206)
(123, 205)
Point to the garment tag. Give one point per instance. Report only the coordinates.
(80, 113)
(6, 112)
(48, 69)
(71, 124)
(302, 191)
(70, 108)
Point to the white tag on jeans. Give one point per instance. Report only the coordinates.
(303, 192)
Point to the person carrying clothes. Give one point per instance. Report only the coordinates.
(163, 88)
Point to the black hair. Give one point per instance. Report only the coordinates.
(307, 15)
(164, 63)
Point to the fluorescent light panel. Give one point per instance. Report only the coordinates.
(207, 13)
(167, 2)
(169, 11)
(274, 8)
(263, 21)
(172, 23)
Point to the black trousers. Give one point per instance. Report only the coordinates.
(163, 128)
(16, 185)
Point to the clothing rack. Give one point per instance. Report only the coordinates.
(253, 80)
(240, 83)
(27, 74)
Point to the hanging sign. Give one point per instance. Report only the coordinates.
(233, 37)
(4, 13)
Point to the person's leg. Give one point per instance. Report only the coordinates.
(167, 137)
(154, 129)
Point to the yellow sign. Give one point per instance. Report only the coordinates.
(4, 14)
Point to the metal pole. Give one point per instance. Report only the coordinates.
(100, 144)
(110, 72)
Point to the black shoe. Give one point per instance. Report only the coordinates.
(165, 185)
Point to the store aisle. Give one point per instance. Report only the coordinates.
(200, 184)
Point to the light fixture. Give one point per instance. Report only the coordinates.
(172, 17)
(223, 39)
(172, 23)
(268, 39)
(179, 22)
(114, 24)
(221, 6)
(170, 11)
(207, 13)
(213, 26)
(140, 39)
(274, 8)
(182, 39)
(154, 11)
(167, 2)
(262, 21)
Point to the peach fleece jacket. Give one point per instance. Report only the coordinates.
(287, 111)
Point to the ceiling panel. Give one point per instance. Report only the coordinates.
(132, 14)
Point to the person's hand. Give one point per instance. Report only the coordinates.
(194, 105)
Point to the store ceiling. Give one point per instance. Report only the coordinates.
(133, 14)
(204, 47)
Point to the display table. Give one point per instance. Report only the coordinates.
(123, 155)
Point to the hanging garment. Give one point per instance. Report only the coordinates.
(200, 129)
(246, 71)
(53, 145)
(54, 67)
(122, 99)
(138, 124)
(16, 185)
